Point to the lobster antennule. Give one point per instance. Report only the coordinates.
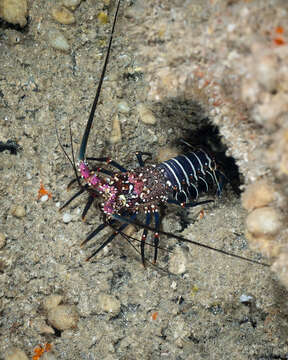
(83, 146)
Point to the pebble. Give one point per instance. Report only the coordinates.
(72, 4)
(245, 298)
(123, 107)
(15, 354)
(2, 240)
(264, 221)
(63, 15)
(52, 301)
(67, 218)
(44, 198)
(257, 195)
(178, 261)
(18, 211)
(115, 135)
(146, 115)
(14, 11)
(58, 41)
(109, 303)
(63, 317)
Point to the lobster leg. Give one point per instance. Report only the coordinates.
(87, 206)
(111, 237)
(156, 235)
(74, 197)
(144, 236)
(139, 155)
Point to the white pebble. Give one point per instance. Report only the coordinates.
(123, 107)
(245, 298)
(67, 218)
(58, 41)
(44, 198)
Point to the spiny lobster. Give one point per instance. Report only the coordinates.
(124, 193)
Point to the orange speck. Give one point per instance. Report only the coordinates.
(217, 102)
(35, 357)
(42, 191)
(279, 41)
(279, 30)
(154, 315)
(201, 214)
(47, 347)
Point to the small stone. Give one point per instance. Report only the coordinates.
(58, 41)
(15, 354)
(63, 15)
(178, 261)
(72, 4)
(2, 240)
(66, 218)
(44, 198)
(18, 211)
(115, 136)
(109, 303)
(245, 298)
(63, 317)
(257, 195)
(265, 221)
(52, 301)
(146, 115)
(14, 11)
(123, 107)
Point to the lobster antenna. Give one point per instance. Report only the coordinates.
(82, 150)
(123, 219)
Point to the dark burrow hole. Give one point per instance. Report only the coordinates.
(193, 126)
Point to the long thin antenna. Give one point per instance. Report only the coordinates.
(82, 150)
(178, 237)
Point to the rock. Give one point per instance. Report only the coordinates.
(72, 4)
(2, 240)
(52, 301)
(146, 115)
(123, 107)
(67, 218)
(63, 317)
(109, 303)
(18, 211)
(115, 135)
(14, 11)
(257, 195)
(63, 15)
(58, 41)
(15, 354)
(265, 221)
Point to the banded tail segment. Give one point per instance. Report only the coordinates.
(192, 174)
(83, 146)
